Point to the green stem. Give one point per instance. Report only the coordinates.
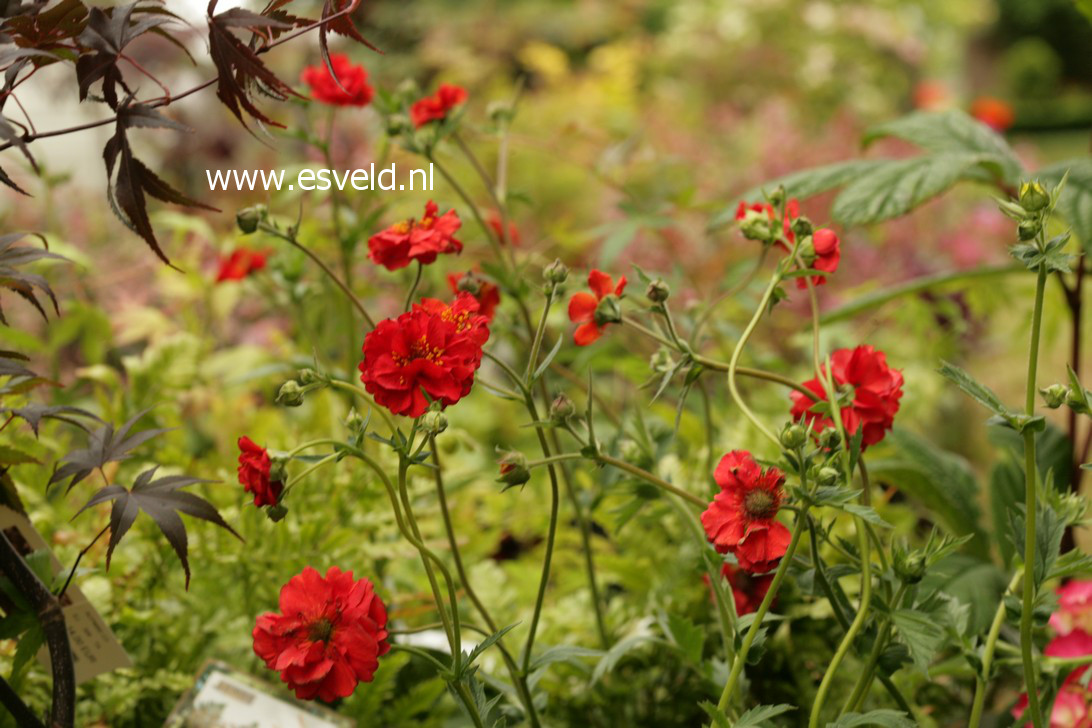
(860, 690)
(1031, 511)
(763, 608)
(413, 288)
(363, 394)
(982, 682)
(653, 479)
(540, 331)
(489, 234)
(733, 363)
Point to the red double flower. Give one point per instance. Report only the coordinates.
(416, 240)
(254, 473)
(354, 89)
(432, 350)
(868, 391)
(240, 263)
(587, 309)
(742, 519)
(487, 296)
(329, 634)
(438, 106)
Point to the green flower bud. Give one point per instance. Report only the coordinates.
(658, 291)
(355, 423)
(276, 513)
(802, 227)
(1033, 196)
(910, 566)
(556, 272)
(777, 196)
(397, 125)
(1054, 395)
(249, 218)
(433, 422)
(278, 469)
(609, 311)
(469, 283)
(513, 469)
(756, 225)
(793, 437)
(829, 439)
(1028, 229)
(290, 394)
(827, 476)
(308, 376)
(561, 409)
(807, 252)
(661, 362)
(1076, 401)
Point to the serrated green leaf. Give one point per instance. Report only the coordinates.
(688, 637)
(921, 635)
(757, 717)
(1075, 202)
(874, 719)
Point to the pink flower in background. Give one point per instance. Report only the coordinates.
(1074, 608)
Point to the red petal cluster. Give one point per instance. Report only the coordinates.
(354, 89)
(582, 306)
(437, 106)
(240, 263)
(497, 226)
(254, 466)
(828, 252)
(328, 637)
(742, 519)
(488, 295)
(434, 349)
(748, 590)
(873, 402)
(421, 240)
(792, 211)
(1073, 704)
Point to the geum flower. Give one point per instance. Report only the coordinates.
(254, 473)
(742, 519)
(748, 590)
(825, 254)
(432, 350)
(416, 240)
(354, 89)
(328, 637)
(485, 293)
(868, 395)
(747, 212)
(438, 106)
(240, 263)
(595, 312)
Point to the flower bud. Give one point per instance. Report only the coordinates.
(909, 566)
(513, 469)
(658, 291)
(827, 476)
(1054, 395)
(829, 439)
(807, 252)
(290, 394)
(793, 437)
(802, 227)
(276, 513)
(661, 362)
(469, 283)
(755, 225)
(609, 311)
(308, 376)
(556, 272)
(561, 409)
(249, 218)
(278, 469)
(1033, 196)
(1077, 401)
(1028, 229)
(433, 422)
(777, 196)
(355, 423)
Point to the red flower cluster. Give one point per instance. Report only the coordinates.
(328, 637)
(421, 240)
(994, 113)
(488, 295)
(497, 226)
(254, 467)
(583, 307)
(742, 519)
(437, 106)
(434, 349)
(828, 253)
(240, 263)
(792, 211)
(869, 393)
(354, 89)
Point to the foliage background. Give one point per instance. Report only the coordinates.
(640, 120)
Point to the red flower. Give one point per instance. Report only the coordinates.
(497, 226)
(354, 89)
(435, 348)
(748, 591)
(828, 252)
(584, 307)
(329, 635)
(488, 294)
(1073, 705)
(1074, 607)
(254, 465)
(792, 211)
(240, 263)
(994, 113)
(869, 393)
(421, 240)
(742, 519)
(437, 106)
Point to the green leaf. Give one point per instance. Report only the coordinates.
(867, 513)
(1071, 563)
(920, 633)
(988, 398)
(608, 662)
(688, 637)
(951, 132)
(805, 183)
(1049, 530)
(548, 360)
(720, 720)
(757, 717)
(29, 644)
(1053, 256)
(1006, 490)
(899, 186)
(563, 653)
(485, 645)
(10, 456)
(873, 718)
(1075, 203)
